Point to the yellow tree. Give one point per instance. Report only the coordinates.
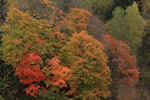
(88, 62)
(24, 33)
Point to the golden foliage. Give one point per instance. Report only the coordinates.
(77, 19)
(86, 58)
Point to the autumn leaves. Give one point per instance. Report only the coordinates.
(56, 54)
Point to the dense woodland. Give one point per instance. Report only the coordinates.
(74, 49)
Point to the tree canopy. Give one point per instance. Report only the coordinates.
(128, 26)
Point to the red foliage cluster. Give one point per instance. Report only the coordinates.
(29, 71)
(125, 71)
(126, 63)
(32, 90)
(120, 52)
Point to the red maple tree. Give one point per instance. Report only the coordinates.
(29, 73)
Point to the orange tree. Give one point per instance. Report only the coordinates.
(85, 57)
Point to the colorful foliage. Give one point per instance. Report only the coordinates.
(125, 72)
(77, 20)
(32, 90)
(91, 75)
(56, 74)
(48, 48)
(119, 52)
(24, 33)
(126, 64)
(128, 26)
(29, 73)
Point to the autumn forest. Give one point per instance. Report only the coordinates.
(74, 49)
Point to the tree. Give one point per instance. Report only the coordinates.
(128, 26)
(91, 75)
(75, 21)
(102, 8)
(29, 73)
(124, 69)
(24, 33)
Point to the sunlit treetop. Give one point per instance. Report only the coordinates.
(85, 56)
